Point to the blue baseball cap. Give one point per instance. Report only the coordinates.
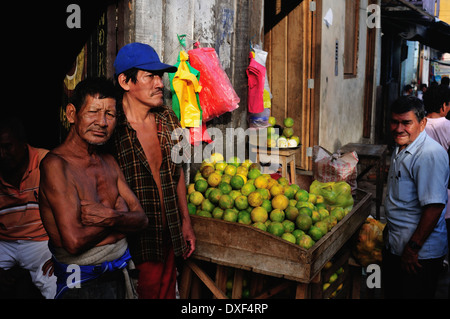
(141, 56)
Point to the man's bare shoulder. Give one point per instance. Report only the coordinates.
(53, 162)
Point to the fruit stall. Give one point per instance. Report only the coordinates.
(266, 230)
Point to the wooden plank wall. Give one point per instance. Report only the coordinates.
(292, 47)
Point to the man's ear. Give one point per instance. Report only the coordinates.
(122, 79)
(71, 112)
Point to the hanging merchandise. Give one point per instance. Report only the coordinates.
(261, 58)
(256, 74)
(217, 95)
(184, 86)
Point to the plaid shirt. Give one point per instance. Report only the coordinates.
(150, 244)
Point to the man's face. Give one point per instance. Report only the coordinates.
(148, 89)
(12, 152)
(96, 120)
(405, 128)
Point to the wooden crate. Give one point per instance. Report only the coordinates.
(246, 247)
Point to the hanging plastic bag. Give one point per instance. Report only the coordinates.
(261, 58)
(369, 244)
(184, 85)
(217, 95)
(256, 74)
(335, 167)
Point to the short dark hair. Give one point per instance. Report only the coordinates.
(435, 97)
(94, 86)
(15, 126)
(408, 103)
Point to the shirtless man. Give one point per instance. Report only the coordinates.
(86, 206)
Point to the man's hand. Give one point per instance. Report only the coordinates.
(410, 260)
(95, 214)
(189, 238)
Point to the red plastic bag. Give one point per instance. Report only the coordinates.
(217, 95)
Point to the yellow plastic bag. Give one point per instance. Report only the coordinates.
(186, 85)
(369, 244)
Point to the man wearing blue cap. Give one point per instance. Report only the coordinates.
(142, 146)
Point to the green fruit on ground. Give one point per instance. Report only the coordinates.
(225, 188)
(214, 179)
(272, 120)
(191, 208)
(244, 218)
(241, 202)
(226, 202)
(288, 122)
(289, 226)
(255, 199)
(276, 228)
(259, 214)
(301, 195)
(260, 225)
(305, 241)
(207, 205)
(303, 222)
(289, 237)
(253, 173)
(333, 278)
(204, 213)
(315, 233)
(277, 215)
(267, 205)
(217, 213)
(196, 198)
(291, 213)
(297, 233)
(201, 185)
(214, 195)
(247, 189)
(230, 215)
